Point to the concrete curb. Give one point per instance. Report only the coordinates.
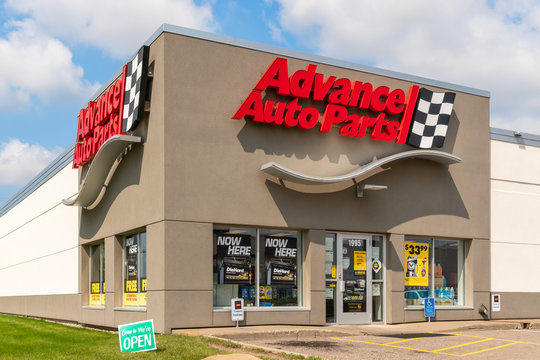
(298, 332)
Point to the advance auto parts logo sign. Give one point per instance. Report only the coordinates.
(419, 117)
(118, 110)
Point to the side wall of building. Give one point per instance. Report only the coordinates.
(515, 240)
(39, 258)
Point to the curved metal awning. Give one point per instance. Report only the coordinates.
(284, 173)
(99, 170)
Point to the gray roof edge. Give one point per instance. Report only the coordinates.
(311, 57)
(204, 35)
(44, 175)
(515, 137)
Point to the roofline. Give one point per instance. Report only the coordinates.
(52, 169)
(222, 39)
(67, 156)
(515, 137)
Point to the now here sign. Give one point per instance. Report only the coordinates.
(137, 336)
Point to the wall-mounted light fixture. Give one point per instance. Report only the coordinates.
(360, 188)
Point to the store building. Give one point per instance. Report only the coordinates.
(317, 190)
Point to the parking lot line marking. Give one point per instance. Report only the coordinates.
(460, 345)
(484, 337)
(489, 349)
(400, 341)
(443, 333)
(397, 346)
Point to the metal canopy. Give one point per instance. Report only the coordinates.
(101, 167)
(284, 173)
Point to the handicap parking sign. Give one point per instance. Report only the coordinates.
(429, 307)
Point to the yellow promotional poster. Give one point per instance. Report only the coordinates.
(142, 298)
(360, 261)
(131, 299)
(96, 295)
(416, 264)
(95, 299)
(131, 296)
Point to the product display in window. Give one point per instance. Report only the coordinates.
(239, 252)
(444, 271)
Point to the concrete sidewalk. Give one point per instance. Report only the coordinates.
(343, 330)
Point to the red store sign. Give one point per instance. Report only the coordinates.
(117, 111)
(100, 120)
(341, 96)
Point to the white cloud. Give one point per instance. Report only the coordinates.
(19, 162)
(117, 27)
(34, 64)
(492, 45)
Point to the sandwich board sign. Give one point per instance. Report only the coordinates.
(137, 336)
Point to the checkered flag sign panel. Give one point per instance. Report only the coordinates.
(430, 119)
(135, 95)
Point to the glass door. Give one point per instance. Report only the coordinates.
(354, 293)
(354, 278)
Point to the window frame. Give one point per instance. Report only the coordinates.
(461, 286)
(141, 281)
(100, 246)
(259, 256)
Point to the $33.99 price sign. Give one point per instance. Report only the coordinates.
(415, 249)
(416, 264)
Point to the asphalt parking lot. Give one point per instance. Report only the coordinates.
(445, 340)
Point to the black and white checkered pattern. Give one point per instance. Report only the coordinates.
(430, 119)
(135, 94)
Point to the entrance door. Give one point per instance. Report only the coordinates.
(354, 280)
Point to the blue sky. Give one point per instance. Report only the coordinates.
(55, 54)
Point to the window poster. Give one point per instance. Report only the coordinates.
(234, 258)
(142, 293)
(131, 291)
(416, 264)
(280, 260)
(360, 261)
(97, 297)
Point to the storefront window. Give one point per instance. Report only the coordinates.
(97, 275)
(234, 265)
(434, 268)
(238, 252)
(278, 270)
(135, 270)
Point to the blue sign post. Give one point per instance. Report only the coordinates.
(429, 308)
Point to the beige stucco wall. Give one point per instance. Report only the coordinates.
(212, 161)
